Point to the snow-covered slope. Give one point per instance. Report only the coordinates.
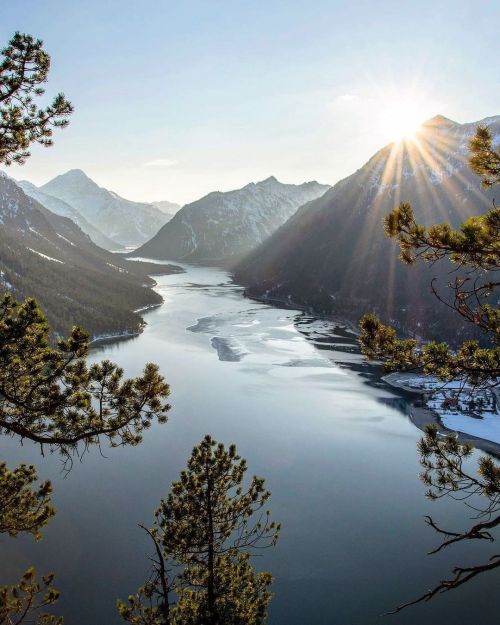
(60, 207)
(224, 226)
(123, 221)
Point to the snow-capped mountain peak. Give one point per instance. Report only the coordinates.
(124, 221)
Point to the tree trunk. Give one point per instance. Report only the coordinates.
(212, 615)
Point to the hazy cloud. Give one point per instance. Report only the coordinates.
(160, 163)
(347, 97)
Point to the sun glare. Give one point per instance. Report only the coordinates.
(400, 119)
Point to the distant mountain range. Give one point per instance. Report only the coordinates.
(49, 257)
(222, 227)
(122, 221)
(333, 254)
(60, 207)
(168, 208)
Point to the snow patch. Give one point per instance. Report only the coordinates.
(54, 260)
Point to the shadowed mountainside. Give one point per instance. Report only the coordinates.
(333, 254)
(47, 256)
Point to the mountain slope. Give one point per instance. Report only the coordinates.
(333, 254)
(168, 208)
(123, 221)
(224, 226)
(46, 256)
(60, 207)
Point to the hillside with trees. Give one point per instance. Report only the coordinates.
(48, 257)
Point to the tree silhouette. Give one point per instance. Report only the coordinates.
(24, 68)
(205, 533)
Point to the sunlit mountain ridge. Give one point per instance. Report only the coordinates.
(333, 253)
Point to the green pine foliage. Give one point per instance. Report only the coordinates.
(474, 249)
(445, 473)
(24, 67)
(26, 510)
(49, 394)
(485, 159)
(205, 533)
(26, 601)
(52, 397)
(23, 509)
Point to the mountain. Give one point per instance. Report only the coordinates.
(333, 255)
(168, 208)
(47, 256)
(125, 222)
(60, 207)
(223, 226)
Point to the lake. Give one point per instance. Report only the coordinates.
(334, 443)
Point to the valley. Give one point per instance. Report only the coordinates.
(249, 313)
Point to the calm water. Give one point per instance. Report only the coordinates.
(334, 444)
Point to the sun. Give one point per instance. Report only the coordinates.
(400, 119)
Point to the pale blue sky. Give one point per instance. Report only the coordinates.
(176, 99)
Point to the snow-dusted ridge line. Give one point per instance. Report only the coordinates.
(225, 225)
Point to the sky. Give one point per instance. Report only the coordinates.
(174, 99)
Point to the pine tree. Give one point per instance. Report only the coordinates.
(475, 249)
(24, 602)
(50, 395)
(21, 508)
(24, 68)
(24, 509)
(205, 534)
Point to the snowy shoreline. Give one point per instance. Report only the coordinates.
(148, 307)
(477, 432)
(114, 336)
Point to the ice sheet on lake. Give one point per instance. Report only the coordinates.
(228, 349)
(205, 324)
(268, 337)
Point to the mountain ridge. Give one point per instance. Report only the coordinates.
(332, 255)
(60, 207)
(222, 226)
(48, 257)
(124, 221)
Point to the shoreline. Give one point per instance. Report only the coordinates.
(116, 336)
(123, 335)
(289, 304)
(421, 416)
